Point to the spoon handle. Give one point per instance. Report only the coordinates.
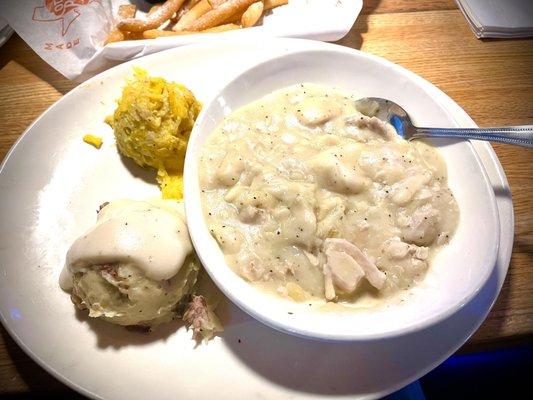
(521, 135)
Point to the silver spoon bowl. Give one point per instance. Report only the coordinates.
(391, 112)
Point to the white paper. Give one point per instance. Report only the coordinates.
(65, 33)
(70, 34)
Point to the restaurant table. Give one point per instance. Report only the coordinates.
(491, 79)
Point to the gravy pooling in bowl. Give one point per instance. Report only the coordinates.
(311, 196)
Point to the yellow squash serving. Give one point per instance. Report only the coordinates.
(152, 124)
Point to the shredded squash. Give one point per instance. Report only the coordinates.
(152, 124)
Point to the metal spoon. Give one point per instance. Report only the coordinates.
(391, 112)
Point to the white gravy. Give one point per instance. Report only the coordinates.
(308, 194)
(151, 235)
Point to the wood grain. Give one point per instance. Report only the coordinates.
(491, 79)
(402, 6)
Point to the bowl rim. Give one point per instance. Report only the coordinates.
(191, 174)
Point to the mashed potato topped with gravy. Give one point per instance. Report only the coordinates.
(136, 267)
(152, 124)
(309, 195)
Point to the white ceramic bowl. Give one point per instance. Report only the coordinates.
(458, 271)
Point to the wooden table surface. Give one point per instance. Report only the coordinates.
(491, 79)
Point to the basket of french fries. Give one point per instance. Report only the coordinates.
(185, 17)
(80, 38)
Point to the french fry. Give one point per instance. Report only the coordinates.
(221, 28)
(124, 11)
(133, 35)
(114, 36)
(219, 15)
(192, 15)
(154, 8)
(269, 4)
(152, 21)
(127, 11)
(216, 3)
(252, 14)
(155, 33)
(117, 36)
(186, 8)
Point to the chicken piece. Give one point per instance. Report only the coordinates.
(386, 131)
(249, 214)
(345, 272)
(201, 319)
(395, 249)
(423, 226)
(404, 190)
(372, 273)
(421, 252)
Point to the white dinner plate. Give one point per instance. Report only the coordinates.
(51, 184)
